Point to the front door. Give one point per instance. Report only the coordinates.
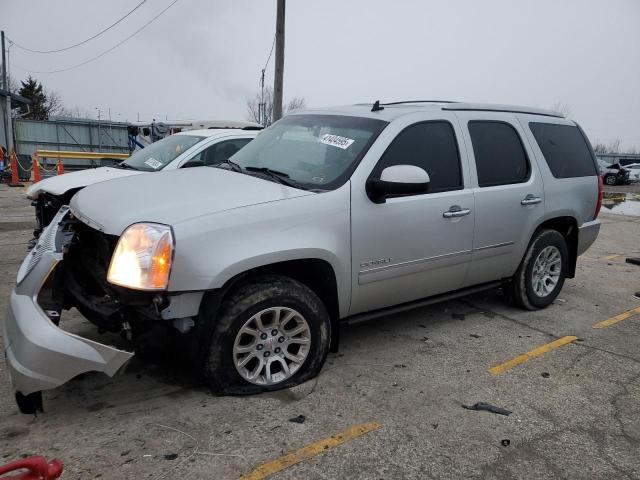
(416, 246)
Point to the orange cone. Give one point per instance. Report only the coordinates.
(60, 167)
(36, 167)
(15, 181)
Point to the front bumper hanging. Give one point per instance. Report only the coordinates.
(40, 355)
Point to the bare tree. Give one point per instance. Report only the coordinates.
(296, 103)
(254, 111)
(611, 147)
(54, 105)
(562, 108)
(14, 85)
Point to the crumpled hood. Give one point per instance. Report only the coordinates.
(63, 183)
(173, 196)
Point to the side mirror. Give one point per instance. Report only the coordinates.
(193, 163)
(397, 180)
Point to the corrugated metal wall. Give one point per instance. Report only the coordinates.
(70, 134)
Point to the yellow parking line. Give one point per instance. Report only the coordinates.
(536, 352)
(612, 256)
(618, 318)
(311, 450)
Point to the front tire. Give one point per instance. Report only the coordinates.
(540, 276)
(271, 333)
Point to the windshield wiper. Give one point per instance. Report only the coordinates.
(234, 166)
(125, 166)
(276, 175)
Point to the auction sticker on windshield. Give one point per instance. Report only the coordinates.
(336, 141)
(153, 163)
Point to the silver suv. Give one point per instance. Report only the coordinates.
(327, 216)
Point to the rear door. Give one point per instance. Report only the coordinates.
(509, 193)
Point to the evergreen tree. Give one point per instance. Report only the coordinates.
(33, 90)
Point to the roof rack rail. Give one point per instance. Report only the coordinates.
(486, 107)
(418, 101)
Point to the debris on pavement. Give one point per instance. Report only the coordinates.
(545, 374)
(506, 442)
(171, 456)
(488, 408)
(633, 260)
(458, 316)
(474, 335)
(298, 419)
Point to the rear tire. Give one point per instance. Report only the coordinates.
(610, 179)
(540, 276)
(257, 324)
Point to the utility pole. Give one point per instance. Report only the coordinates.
(5, 85)
(279, 74)
(99, 132)
(262, 116)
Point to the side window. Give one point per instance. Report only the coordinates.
(565, 150)
(428, 145)
(219, 152)
(500, 156)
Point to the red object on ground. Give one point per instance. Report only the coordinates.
(60, 168)
(37, 469)
(15, 181)
(36, 167)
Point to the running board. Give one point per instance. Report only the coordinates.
(403, 307)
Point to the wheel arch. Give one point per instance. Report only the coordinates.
(568, 227)
(317, 274)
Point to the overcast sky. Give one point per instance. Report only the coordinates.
(202, 58)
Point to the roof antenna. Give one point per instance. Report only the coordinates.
(376, 106)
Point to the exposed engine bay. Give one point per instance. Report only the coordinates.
(80, 281)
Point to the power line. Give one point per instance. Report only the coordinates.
(271, 52)
(82, 42)
(106, 51)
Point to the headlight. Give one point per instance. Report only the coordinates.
(142, 259)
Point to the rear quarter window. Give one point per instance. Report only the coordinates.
(565, 150)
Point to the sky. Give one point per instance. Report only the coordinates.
(202, 58)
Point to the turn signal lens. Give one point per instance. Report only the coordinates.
(142, 259)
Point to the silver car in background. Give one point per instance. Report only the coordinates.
(328, 216)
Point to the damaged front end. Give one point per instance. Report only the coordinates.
(68, 268)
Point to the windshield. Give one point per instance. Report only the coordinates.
(161, 153)
(318, 152)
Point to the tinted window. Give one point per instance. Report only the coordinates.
(431, 146)
(565, 150)
(500, 156)
(221, 151)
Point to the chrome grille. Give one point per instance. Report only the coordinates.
(46, 242)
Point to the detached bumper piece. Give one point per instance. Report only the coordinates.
(40, 355)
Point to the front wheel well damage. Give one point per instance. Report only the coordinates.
(568, 227)
(315, 273)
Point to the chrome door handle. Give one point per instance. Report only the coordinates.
(530, 200)
(456, 211)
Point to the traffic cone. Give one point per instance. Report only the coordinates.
(36, 167)
(60, 167)
(15, 181)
